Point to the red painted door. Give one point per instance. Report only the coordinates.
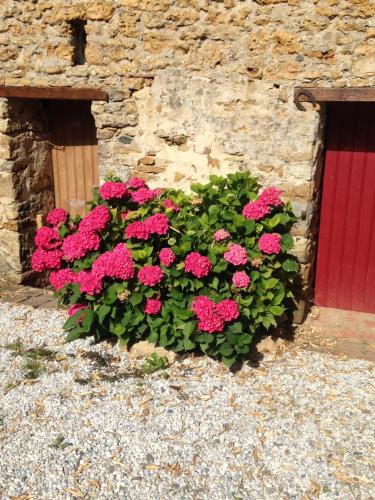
(345, 276)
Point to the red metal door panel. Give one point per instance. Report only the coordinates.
(345, 276)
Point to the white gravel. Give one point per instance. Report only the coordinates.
(93, 426)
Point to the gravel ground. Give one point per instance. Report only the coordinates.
(93, 425)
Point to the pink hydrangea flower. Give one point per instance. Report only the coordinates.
(111, 190)
(221, 234)
(138, 230)
(57, 216)
(227, 309)
(150, 275)
(47, 238)
(59, 279)
(158, 224)
(117, 263)
(136, 183)
(240, 279)
(143, 195)
(89, 282)
(197, 264)
(203, 306)
(96, 220)
(75, 308)
(211, 324)
(270, 243)
(236, 255)
(43, 260)
(166, 256)
(152, 306)
(271, 197)
(255, 210)
(76, 246)
(169, 204)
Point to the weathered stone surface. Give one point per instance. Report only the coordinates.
(144, 349)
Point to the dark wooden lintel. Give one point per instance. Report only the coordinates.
(60, 93)
(320, 94)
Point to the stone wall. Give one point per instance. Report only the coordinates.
(26, 182)
(221, 98)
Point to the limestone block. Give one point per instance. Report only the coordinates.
(144, 349)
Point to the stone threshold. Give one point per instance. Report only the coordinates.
(27, 296)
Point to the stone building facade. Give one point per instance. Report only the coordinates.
(195, 87)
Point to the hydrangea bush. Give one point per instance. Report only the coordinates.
(202, 271)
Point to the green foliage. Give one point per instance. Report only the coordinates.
(154, 363)
(119, 310)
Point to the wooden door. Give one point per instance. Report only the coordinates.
(345, 276)
(74, 155)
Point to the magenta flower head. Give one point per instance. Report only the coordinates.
(43, 260)
(227, 309)
(47, 238)
(236, 255)
(150, 275)
(166, 257)
(240, 279)
(57, 216)
(270, 243)
(255, 210)
(169, 204)
(76, 246)
(89, 282)
(158, 224)
(197, 264)
(136, 183)
(96, 220)
(143, 195)
(113, 190)
(137, 230)
(59, 279)
(152, 306)
(221, 234)
(271, 197)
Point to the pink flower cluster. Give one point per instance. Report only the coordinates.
(198, 265)
(255, 210)
(152, 306)
(136, 183)
(43, 260)
(166, 256)
(169, 204)
(75, 308)
(143, 195)
(236, 255)
(76, 246)
(240, 279)
(137, 230)
(221, 234)
(270, 243)
(62, 277)
(212, 317)
(47, 238)
(89, 282)
(117, 263)
(57, 216)
(271, 197)
(156, 224)
(96, 220)
(113, 190)
(150, 275)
